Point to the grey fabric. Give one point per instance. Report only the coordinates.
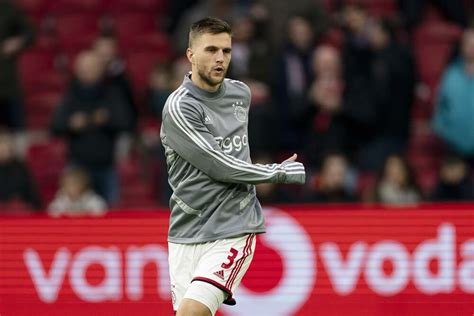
(208, 159)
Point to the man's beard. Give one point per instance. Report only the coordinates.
(208, 79)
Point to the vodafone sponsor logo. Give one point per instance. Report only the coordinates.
(368, 260)
(303, 261)
(49, 283)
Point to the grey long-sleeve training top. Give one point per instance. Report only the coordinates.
(209, 167)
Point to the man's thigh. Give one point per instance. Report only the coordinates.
(181, 264)
(220, 263)
(224, 263)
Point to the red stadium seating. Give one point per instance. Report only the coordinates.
(38, 70)
(437, 38)
(94, 7)
(46, 161)
(76, 31)
(129, 26)
(40, 107)
(140, 65)
(157, 43)
(146, 6)
(375, 7)
(136, 191)
(36, 9)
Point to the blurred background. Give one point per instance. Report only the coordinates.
(376, 97)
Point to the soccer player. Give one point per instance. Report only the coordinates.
(214, 210)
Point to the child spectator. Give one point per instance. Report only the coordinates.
(75, 196)
(396, 183)
(454, 182)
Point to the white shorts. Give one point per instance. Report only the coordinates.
(221, 263)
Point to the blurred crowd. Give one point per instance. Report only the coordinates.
(376, 96)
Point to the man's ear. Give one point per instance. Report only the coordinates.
(190, 55)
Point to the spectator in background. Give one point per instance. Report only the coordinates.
(159, 88)
(275, 14)
(331, 184)
(392, 86)
(91, 115)
(379, 89)
(251, 64)
(263, 128)
(454, 183)
(323, 118)
(250, 55)
(75, 196)
(396, 183)
(359, 108)
(454, 112)
(16, 181)
(292, 79)
(107, 49)
(16, 33)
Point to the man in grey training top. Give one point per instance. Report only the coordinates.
(214, 210)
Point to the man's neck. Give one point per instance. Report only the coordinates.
(196, 79)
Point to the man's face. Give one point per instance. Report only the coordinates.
(210, 56)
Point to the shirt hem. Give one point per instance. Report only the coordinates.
(189, 240)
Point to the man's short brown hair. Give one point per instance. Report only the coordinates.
(208, 25)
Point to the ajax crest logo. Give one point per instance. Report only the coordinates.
(239, 112)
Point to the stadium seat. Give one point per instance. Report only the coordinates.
(34, 8)
(129, 26)
(140, 65)
(365, 183)
(15, 206)
(76, 31)
(382, 7)
(147, 6)
(155, 42)
(136, 191)
(46, 161)
(38, 71)
(40, 107)
(427, 180)
(438, 38)
(94, 7)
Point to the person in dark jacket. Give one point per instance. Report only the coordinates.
(292, 79)
(115, 69)
(392, 87)
(16, 181)
(16, 34)
(454, 183)
(91, 116)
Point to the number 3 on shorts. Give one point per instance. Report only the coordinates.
(231, 258)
